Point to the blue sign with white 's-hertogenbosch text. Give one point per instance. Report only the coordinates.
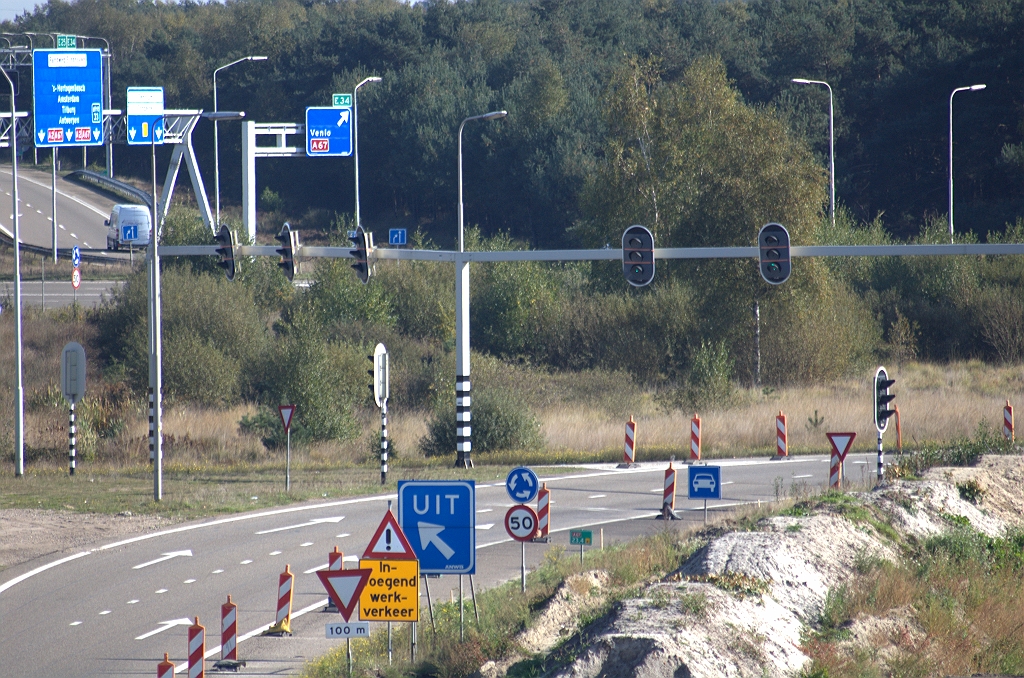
(704, 482)
(522, 485)
(68, 92)
(328, 131)
(439, 519)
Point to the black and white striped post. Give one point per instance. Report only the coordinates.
(383, 442)
(380, 398)
(71, 440)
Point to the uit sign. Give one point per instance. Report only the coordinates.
(392, 593)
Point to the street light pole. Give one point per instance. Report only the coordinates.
(19, 388)
(216, 145)
(972, 88)
(831, 144)
(355, 136)
(463, 415)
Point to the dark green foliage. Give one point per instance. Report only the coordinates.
(501, 421)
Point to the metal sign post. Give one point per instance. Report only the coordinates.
(155, 342)
(72, 384)
(287, 412)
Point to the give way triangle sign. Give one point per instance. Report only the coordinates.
(841, 443)
(389, 542)
(344, 587)
(286, 412)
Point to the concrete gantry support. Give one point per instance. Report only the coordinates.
(250, 151)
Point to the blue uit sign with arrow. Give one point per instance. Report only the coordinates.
(328, 131)
(68, 92)
(439, 517)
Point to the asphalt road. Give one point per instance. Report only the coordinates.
(55, 294)
(114, 609)
(80, 211)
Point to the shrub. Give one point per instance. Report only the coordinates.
(501, 421)
(710, 380)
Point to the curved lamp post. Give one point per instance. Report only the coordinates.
(463, 416)
(831, 144)
(355, 135)
(972, 88)
(216, 145)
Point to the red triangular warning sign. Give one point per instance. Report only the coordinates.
(389, 542)
(841, 443)
(286, 412)
(344, 587)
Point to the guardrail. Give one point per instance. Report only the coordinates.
(116, 187)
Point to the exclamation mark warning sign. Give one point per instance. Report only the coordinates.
(389, 541)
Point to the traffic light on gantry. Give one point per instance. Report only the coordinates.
(882, 399)
(226, 243)
(773, 246)
(638, 256)
(289, 240)
(363, 242)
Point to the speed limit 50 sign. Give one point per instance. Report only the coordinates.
(521, 523)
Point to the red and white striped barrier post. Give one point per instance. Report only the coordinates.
(283, 622)
(165, 669)
(668, 502)
(695, 438)
(196, 650)
(335, 562)
(1008, 421)
(834, 475)
(781, 437)
(629, 453)
(229, 630)
(543, 513)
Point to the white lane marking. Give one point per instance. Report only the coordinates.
(164, 556)
(308, 543)
(795, 477)
(27, 205)
(342, 535)
(49, 218)
(104, 612)
(63, 227)
(484, 510)
(595, 508)
(597, 496)
(728, 482)
(77, 622)
(275, 553)
(485, 526)
(315, 521)
(255, 632)
(133, 601)
(217, 572)
(86, 244)
(189, 581)
(245, 562)
(49, 186)
(40, 212)
(316, 569)
(350, 559)
(161, 590)
(657, 489)
(43, 568)
(74, 236)
(164, 625)
(860, 462)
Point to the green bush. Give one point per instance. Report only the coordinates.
(501, 421)
(266, 424)
(710, 381)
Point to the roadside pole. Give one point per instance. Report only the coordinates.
(19, 387)
(155, 376)
(53, 190)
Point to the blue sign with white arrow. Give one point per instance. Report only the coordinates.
(396, 236)
(522, 484)
(328, 131)
(439, 519)
(704, 482)
(67, 86)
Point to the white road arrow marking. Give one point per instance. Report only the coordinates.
(165, 556)
(164, 626)
(429, 535)
(315, 521)
(485, 526)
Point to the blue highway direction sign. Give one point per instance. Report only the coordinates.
(522, 485)
(68, 93)
(145, 111)
(704, 482)
(328, 131)
(396, 236)
(439, 517)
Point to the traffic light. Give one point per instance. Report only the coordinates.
(638, 256)
(226, 243)
(289, 240)
(363, 243)
(773, 245)
(882, 400)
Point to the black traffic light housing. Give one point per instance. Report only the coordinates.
(363, 242)
(638, 256)
(773, 248)
(227, 241)
(289, 240)
(882, 399)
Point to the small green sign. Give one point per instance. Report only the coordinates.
(67, 42)
(341, 100)
(581, 537)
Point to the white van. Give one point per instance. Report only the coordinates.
(132, 221)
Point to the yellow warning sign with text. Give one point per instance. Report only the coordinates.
(392, 593)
